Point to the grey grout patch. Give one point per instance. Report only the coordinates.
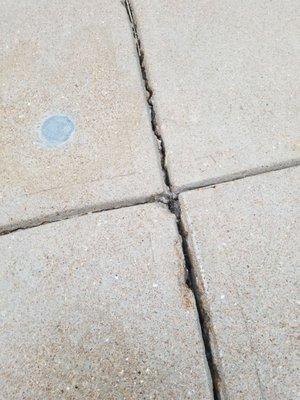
(56, 130)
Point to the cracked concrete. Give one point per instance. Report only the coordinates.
(99, 309)
(187, 356)
(86, 69)
(175, 209)
(224, 76)
(149, 92)
(242, 238)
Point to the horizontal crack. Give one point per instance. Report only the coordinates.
(240, 175)
(45, 220)
(169, 198)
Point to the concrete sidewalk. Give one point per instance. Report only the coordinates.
(98, 309)
(65, 60)
(149, 200)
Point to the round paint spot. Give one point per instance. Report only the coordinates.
(57, 129)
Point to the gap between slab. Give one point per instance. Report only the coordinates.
(163, 198)
(237, 175)
(174, 208)
(171, 200)
(78, 212)
(218, 386)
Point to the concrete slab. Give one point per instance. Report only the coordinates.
(224, 76)
(99, 310)
(243, 237)
(77, 62)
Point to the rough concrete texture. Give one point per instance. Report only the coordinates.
(78, 60)
(99, 310)
(224, 76)
(243, 238)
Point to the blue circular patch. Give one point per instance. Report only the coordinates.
(57, 129)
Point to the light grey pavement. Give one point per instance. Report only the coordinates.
(97, 305)
(63, 58)
(244, 238)
(225, 78)
(99, 310)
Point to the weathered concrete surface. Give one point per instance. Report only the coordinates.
(224, 76)
(77, 60)
(99, 310)
(244, 238)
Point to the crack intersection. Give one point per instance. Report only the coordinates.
(174, 207)
(170, 198)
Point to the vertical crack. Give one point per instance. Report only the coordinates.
(149, 94)
(203, 314)
(174, 207)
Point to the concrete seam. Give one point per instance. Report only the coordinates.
(174, 207)
(240, 175)
(50, 219)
